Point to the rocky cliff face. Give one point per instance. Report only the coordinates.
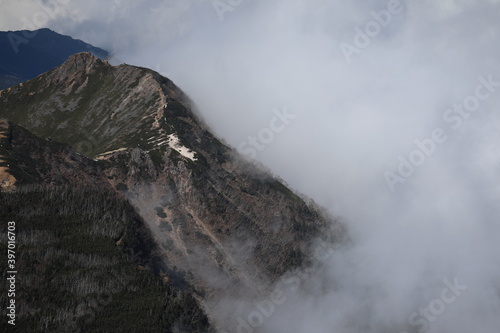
(228, 226)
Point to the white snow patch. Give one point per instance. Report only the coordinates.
(161, 143)
(173, 142)
(160, 139)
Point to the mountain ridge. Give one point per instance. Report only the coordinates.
(230, 228)
(59, 92)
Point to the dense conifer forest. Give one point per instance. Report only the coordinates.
(86, 262)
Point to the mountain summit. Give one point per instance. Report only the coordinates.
(228, 227)
(99, 108)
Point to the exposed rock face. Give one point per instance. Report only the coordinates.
(215, 216)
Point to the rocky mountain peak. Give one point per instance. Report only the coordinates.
(99, 108)
(82, 62)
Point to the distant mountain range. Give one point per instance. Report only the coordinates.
(26, 54)
(114, 168)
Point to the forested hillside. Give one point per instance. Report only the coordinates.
(86, 262)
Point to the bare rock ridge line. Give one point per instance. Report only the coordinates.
(215, 216)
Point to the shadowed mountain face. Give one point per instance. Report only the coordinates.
(88, 261)
(228, 227)
(27, 54)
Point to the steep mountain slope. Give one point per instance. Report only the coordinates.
(27, 159)
(228, 227)
(27, 54)
(84, 257)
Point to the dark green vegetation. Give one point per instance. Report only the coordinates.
(26, 54)
(86, 263)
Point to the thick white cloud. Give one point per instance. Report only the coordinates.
(353, 122)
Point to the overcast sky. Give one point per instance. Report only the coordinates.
(386, 112)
